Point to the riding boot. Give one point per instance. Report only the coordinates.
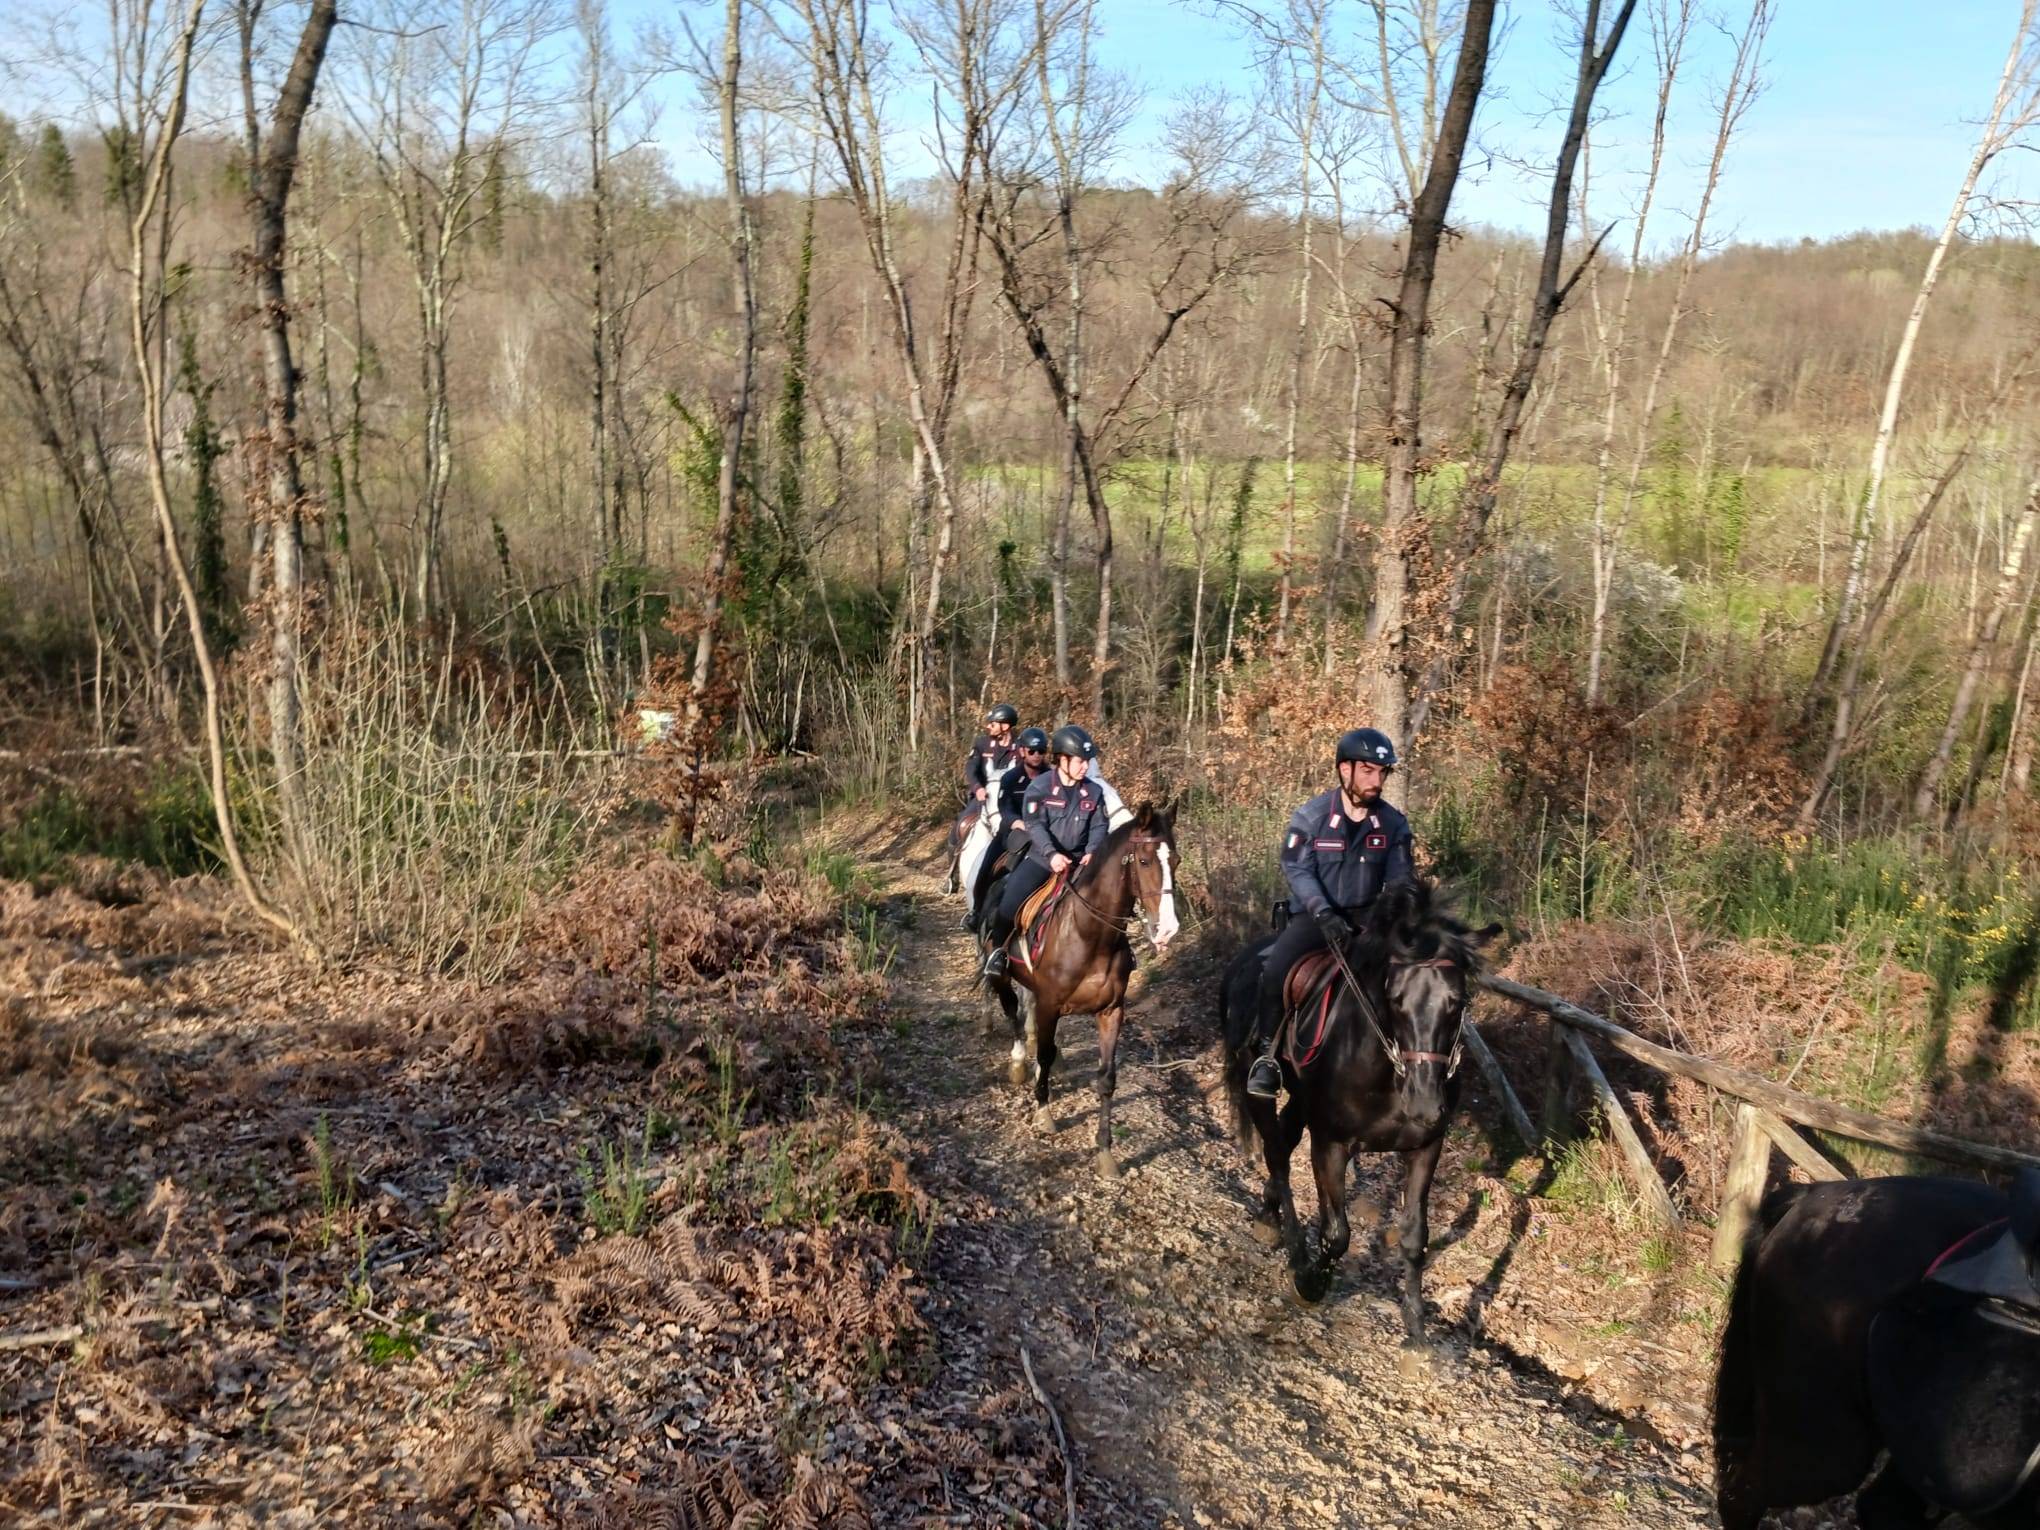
(996, 961)
(1264, 1076)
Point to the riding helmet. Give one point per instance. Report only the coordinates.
(1004, 712)
(1030, 738)
(1075, 742)
(1369, 744)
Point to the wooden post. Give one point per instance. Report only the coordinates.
(1557, 1121)
(1749, 1166)
(1491, 1069)
(1655, 1196)
(1795, 1147)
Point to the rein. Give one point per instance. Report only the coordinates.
(1125, 922)
(1398, 1059)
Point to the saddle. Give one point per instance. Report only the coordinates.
(1309, 986)
(1955, 1366)
(1033, 922)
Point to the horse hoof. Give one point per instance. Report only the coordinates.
(1413, 1362)
(1267, 1234)
(1017, 1072)
(1044, 1120)
(1108, 1166)
(1309, 1286)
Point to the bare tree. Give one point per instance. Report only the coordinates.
(962, 44)
(1409, 327)
(1981, 648)
(735, 411)
(273, 162)
(147, 245)
(442, 93)
(1388, 620)
(1671, 20)
(2013, 110)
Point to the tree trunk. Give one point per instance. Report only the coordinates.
(1388, 617)
(285, 488)
(739, 405)
(1980, 652)
(1477, 502)
(144, 309)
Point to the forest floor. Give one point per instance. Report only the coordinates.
(630, 1246)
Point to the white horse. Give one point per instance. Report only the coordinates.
(977, 844)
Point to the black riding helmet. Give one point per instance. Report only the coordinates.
(1004, 712)
(1369, 744)
(1030, 738)
(1075, 742)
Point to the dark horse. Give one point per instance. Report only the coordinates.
(1086, 958)
(1385, 1079)
(1885, 1315)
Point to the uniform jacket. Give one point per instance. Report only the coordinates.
(986, 762)
(1069, 819)
(1334, 861)
(1012, 789)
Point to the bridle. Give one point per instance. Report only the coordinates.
(1125, 923)
(1399, 1059)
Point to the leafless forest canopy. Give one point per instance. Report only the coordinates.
(919, 405)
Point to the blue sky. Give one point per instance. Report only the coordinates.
(1866, 121)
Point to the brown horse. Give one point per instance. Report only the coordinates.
(1086, 959)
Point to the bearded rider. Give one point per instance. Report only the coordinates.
(1065, 819)
(1008, 832)
(1342, 848)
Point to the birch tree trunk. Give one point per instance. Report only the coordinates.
(1980, 652)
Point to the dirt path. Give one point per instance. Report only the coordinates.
(1195, 1390)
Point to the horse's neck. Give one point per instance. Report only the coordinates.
(1108, 888)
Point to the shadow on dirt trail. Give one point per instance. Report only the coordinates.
(1193, 1387)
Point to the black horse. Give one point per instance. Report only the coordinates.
(1885, 1315)
(1384, 1078)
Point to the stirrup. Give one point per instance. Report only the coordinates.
(995, 962)
(1264, 1078)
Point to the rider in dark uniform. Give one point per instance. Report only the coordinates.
(1008, 832)
(1065, 819)
(1341, 849)
(991, 753)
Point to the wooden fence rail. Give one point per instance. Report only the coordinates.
(1767, 1117)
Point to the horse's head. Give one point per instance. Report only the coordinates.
(1151, 863)
(1428, 958)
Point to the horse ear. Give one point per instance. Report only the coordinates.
(1144, 815)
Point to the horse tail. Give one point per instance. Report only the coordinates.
(1236, 1061)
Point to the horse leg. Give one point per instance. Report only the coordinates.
(1887, 1502)
(1043, 1028)
(1108, 1080)
(1019, 1005)
(1415, 1230)
(1328, 1159)
(1275, 1222)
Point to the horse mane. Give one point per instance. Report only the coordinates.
(1145, 817)
(1416, 921)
